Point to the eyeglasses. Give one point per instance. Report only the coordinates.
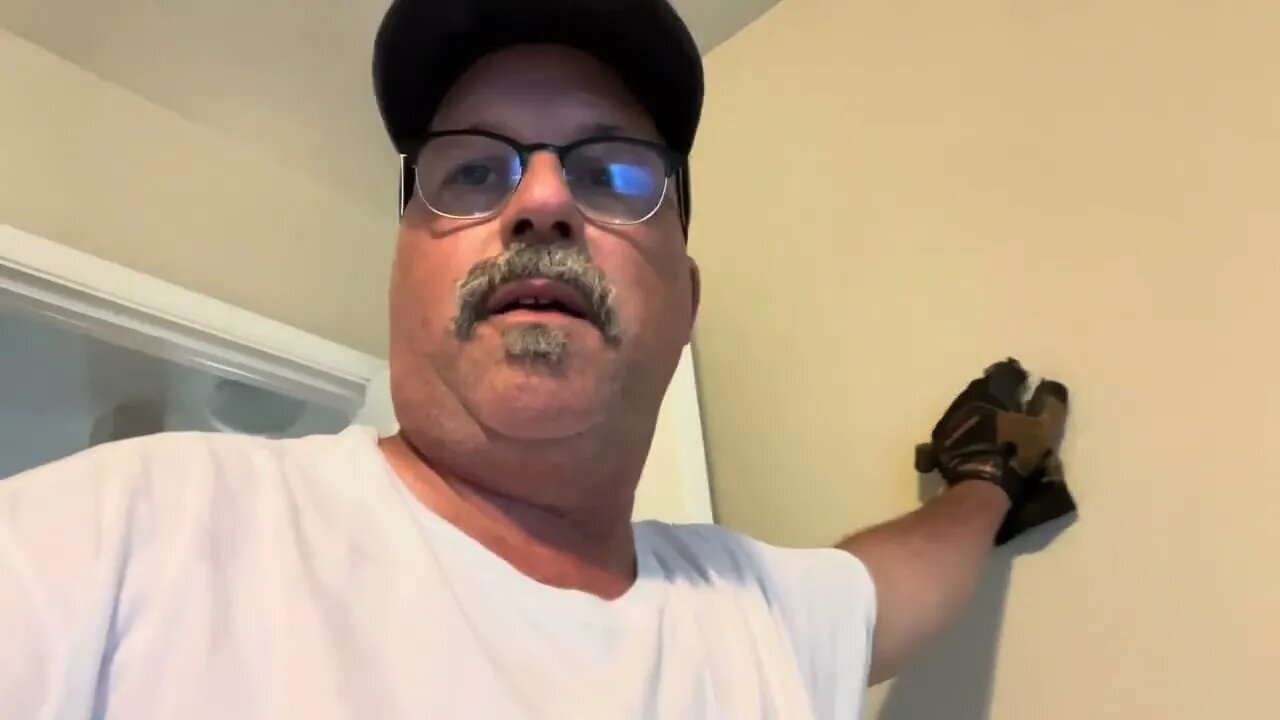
(471, 174)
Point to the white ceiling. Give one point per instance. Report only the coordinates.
(290, 77)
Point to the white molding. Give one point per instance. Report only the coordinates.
(689, 435)
(76, 288)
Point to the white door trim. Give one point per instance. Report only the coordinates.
(96, 296)
(693, 452)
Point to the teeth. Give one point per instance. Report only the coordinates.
(529, 301)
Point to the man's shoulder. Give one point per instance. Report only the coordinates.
(696, 537)
(707, 549)
(115, 464)
(703, 538)
(821, 599)
(149, 453)
(713, 552)
(166, 465)
(129, 496)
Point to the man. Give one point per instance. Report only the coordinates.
(482, 562)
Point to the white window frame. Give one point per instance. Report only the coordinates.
(115, 303)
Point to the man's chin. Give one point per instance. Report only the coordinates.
(537, 386)
(537, 348)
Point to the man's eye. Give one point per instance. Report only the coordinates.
(620, 178)
(471, 175)
(600, 176)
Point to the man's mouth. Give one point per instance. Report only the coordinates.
(538, 295)
(531, 285)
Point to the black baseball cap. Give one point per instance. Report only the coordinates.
(424, 46)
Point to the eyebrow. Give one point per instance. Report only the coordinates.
(594, 129)
(607, 129)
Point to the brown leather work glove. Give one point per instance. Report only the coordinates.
(989, 434)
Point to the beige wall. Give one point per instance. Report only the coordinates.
(890, 196)
(91, 165)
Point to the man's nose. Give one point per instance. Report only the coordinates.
(543, 207)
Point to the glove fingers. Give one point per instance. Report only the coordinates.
(1001, 386)
(1049, 405)
(1006, 382)
(1048, 393)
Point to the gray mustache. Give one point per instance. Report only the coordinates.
(563, 262)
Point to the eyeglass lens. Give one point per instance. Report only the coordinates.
(613, 181)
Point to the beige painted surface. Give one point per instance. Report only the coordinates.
(890, 196)
(88, 164)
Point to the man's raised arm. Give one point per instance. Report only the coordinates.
(998, 456)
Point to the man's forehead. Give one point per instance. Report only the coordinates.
(543, 89)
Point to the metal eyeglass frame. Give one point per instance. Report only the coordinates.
(675, 166)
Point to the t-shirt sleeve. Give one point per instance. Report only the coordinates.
(822, 600)
(827, 601)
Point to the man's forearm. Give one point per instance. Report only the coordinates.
(926, 565)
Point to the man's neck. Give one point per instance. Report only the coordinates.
(583, 548)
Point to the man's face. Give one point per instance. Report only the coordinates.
(538, 321)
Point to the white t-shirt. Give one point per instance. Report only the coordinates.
(215, 576)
